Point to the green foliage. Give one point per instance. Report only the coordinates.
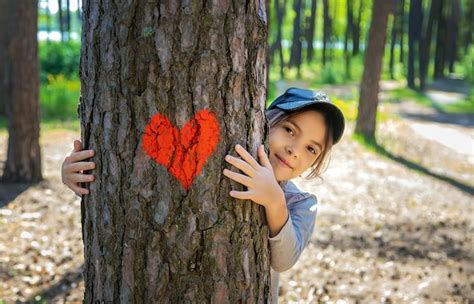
(468, 65)
(59, 97)
(59, 58)
(328, 75)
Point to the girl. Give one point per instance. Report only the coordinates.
(304, 125)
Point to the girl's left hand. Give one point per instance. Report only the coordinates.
(262, 186)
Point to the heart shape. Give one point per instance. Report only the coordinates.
(183, 152)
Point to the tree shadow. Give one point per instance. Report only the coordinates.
(465, 120)
(416, 167)
(402, 241)
(9, 191)
(60, 288)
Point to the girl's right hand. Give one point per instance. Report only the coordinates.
(73, 167)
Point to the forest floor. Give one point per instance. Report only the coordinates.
(395, 226)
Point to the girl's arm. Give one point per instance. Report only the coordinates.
(290, 229)
(287, 246)
(276, 214)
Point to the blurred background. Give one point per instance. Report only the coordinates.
(395, 217)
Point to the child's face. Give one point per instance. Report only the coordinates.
(297, 140)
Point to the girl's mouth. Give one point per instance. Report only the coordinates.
(282, 162)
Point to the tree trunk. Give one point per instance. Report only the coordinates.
(20, 46)
(152, 234)
(348, 36)
(295, 54)
(441, 39)
(468, 25)
(425, 44)
(280, 11)
(61, 19)
(5, 24)
(393, 41)
(414, 33)
(68, 20)
(48, 22)
(402, 32)
(357, 29)
(453, 30)
(326, 29)
(311, 30)
(79, 9)
(369, 88)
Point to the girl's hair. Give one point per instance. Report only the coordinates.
(322, 161)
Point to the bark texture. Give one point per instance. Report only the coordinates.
(147, 239)
(369, 87)
(20, 83)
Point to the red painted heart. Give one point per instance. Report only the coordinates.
(183, 152)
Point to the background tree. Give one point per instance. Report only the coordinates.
(369, 88)
(311, 29)
(20, 79)
(175, 60)
(326, 30)
(414, 32)
(296, 48)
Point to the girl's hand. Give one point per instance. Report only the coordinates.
(73, 167)
(262, 186)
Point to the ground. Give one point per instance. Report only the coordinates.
(393, 227)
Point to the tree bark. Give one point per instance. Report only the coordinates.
(21, 84)
(369, 88)
(147, 238)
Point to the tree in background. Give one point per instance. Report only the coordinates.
(19, 79)
(177, 63)
(296, 48)
(415, 20)
(369, 88)
(311, 29)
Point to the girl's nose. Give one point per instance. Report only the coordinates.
(291, 151)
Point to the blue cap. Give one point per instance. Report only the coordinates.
(295, 98)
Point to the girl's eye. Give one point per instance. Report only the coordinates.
(289, 130)
(312, 150)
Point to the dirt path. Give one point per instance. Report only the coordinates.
(389, 229)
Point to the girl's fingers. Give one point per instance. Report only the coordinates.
(79, 190)
(240, 178)
(77, 156)
(246, 156)
(79, 166)
(243, 195)
(264, 157)
(81, 178)
(240, 164)
(77, 146)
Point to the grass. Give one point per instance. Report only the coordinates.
(464, 106)
(47, 125)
